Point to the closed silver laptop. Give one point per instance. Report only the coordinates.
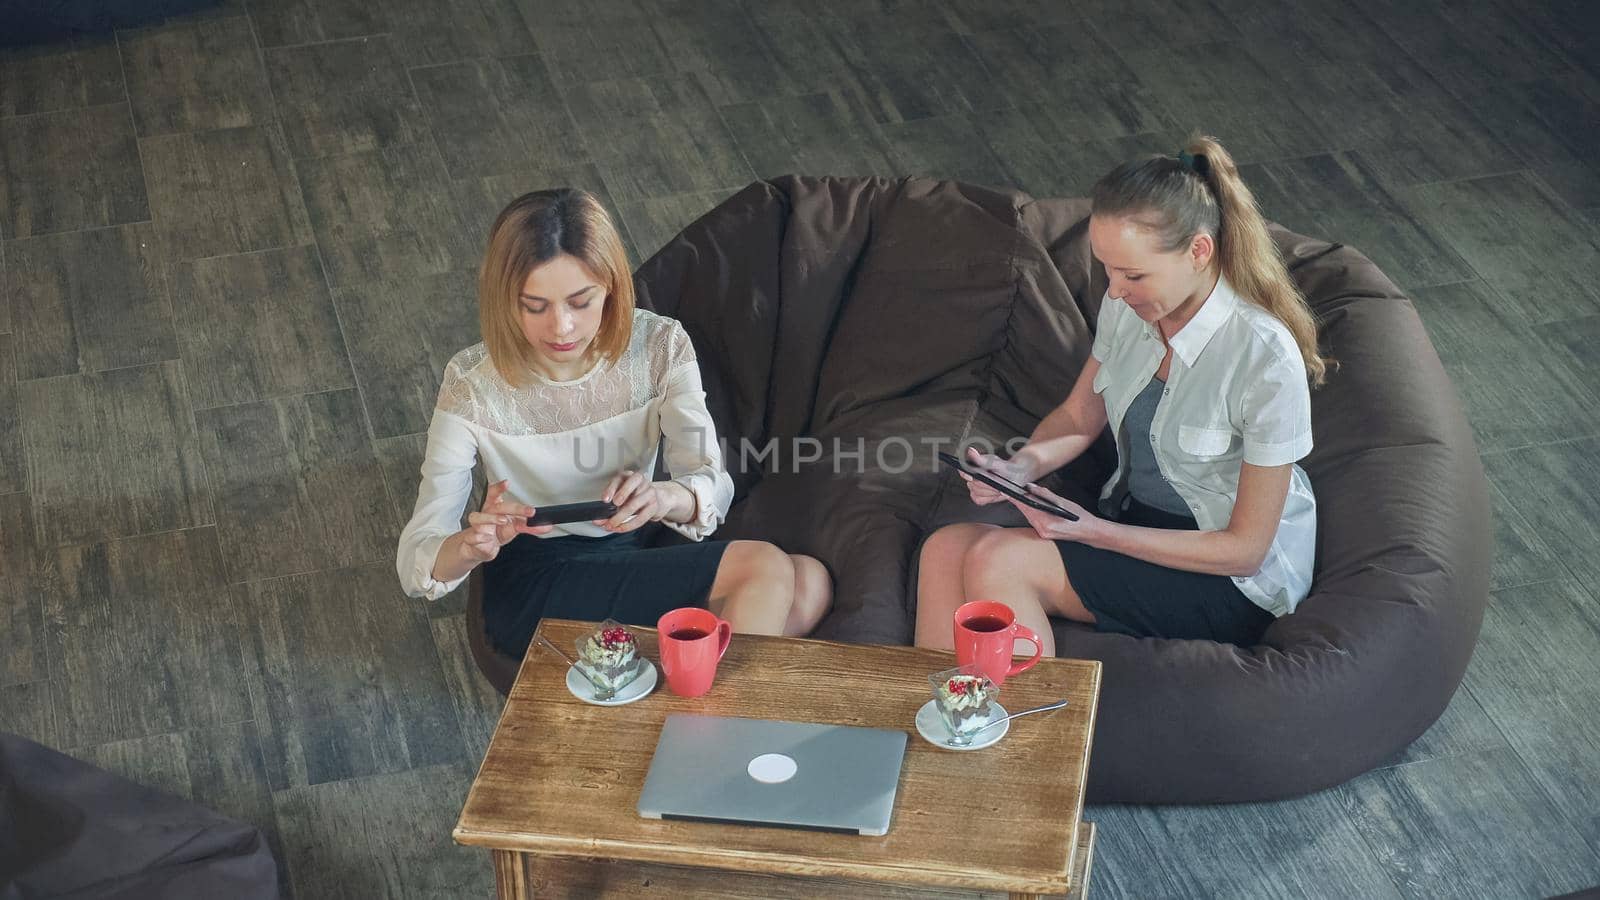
(783, 774)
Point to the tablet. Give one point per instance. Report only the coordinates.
(1009, 488)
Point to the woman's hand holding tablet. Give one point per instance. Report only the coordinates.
(973, 471)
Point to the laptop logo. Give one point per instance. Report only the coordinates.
(772, 768)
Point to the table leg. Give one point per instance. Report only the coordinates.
(511, 875)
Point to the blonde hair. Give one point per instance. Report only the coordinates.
(534, 229)
(1200, 191)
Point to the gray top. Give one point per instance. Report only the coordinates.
(1144, 476)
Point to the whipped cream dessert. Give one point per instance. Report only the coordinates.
(610, 657)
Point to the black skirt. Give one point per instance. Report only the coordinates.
(590, 579)
(1134, 597)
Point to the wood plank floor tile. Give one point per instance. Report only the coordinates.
(333, 832)
(220, 192)
(297, 485)
(1521, 555)
(1045, 67)
(1553, 120)
(112, 455)
(60, 75)
(1338, 197)
(1469, 44)
(195, 76)
(944, 147)
(388, 214)
(1218, 89)
(442, 31)
(800, 42)
(1519, 239)
(1167, 24)
(145, 645)
(23, 656)
(497, 115)
(477, 703)
(258, 325)
(1464, 728)
(401, 334)
(1535, 668)
(88, 301)
(28, 710)
(1516, 390)
(1551, 486)
(347, 96)
(282, 22)
(971, 16)
(62, 171)
(1407, 128)
(572, 37)
(1469, 826)
(1304, 847)
(655, 221)
(816, 134)
(916, 71)
(654, 137)
(718, 43)
(13, 462)
(349, 680)
(1047, 160)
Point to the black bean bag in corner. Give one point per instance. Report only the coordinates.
(879, 316)
(71, 831)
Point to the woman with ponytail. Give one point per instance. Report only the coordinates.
(1202, 365)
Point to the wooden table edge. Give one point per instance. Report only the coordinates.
(768, 864)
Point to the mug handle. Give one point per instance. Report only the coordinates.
(1026, 633)
(724, 636)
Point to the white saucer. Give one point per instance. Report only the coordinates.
(637, 689)
(932, 728)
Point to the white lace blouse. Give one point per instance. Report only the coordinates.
(562, 441)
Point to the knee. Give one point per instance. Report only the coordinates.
(951, 543)
(813, 590)
(759, 560)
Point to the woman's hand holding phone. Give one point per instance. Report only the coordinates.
(500, 520)
(638, 499)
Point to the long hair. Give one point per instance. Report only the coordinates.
(1179, 198)
(534, 229)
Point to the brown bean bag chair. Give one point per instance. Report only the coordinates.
(878, 316)
(72, 831)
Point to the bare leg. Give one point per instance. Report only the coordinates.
(1024, 571)
(813, 595)
(754, 587)
(940, 589)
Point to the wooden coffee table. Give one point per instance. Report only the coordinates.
(555, 799)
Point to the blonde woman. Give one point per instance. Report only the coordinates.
(566, 400)
(1202, 365)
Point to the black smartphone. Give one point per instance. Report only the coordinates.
(1009, 488)
(563, 513)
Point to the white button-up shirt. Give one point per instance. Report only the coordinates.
(1236, 392)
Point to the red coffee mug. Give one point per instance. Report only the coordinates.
(986, 635)
(692, 642)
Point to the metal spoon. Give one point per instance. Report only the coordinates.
(967, 738)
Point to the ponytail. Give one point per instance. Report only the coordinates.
(1200, 191)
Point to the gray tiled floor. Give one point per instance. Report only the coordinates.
(236, 250)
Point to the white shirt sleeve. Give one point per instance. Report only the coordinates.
(1277, 413)
(441, 498)
(689, 438)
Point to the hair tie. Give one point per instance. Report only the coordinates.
(1194, 162)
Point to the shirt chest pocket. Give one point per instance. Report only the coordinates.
(1204, 442)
